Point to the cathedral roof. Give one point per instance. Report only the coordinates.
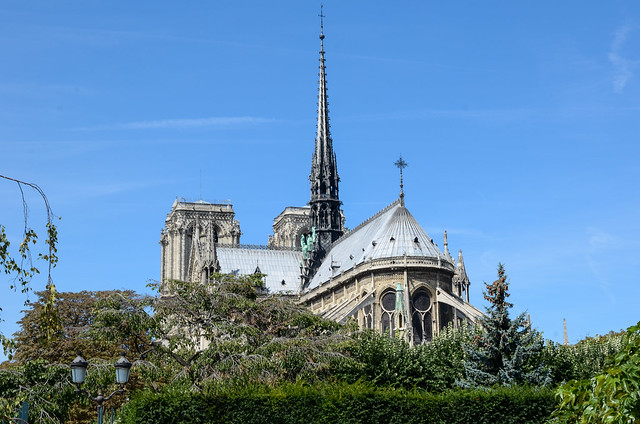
(392, 232)
(282, 267)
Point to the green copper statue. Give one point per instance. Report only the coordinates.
(307, 242)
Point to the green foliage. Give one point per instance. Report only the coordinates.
(332, 403)
(75, 314)
(15, 265)
(52, 397)
(390, 361)
(22, 267)
(612, 396)
(582, 360)
(195, 332)
(33, 347)
(45, 387)
(508, 351)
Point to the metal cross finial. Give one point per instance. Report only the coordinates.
(401, 164)
(321, 19)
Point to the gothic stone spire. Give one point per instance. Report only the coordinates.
(461, 280)
(325, 203)
(446, 248)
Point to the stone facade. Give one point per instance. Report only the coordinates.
(370, 294)
(193, 229)
(289, 227)
(389, 276)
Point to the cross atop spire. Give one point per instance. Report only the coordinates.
(321, 22)
(401, 164)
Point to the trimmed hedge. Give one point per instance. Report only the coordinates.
(339, 403)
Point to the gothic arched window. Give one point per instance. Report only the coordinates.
(324, 215)
(368, 316)
(446, 314)
(421, 317)
(388, 304)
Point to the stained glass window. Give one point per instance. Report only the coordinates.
(421, 317)
(388, 304)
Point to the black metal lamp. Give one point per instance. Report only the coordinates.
(79, 369)
(79, 372)
(123, 367)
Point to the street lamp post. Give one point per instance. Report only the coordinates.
(79, 372)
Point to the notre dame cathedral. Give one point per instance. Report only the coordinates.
(386, 273)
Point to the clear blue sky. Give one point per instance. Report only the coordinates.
(519, 121)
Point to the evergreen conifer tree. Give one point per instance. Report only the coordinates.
(508, 351)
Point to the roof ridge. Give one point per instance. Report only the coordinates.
(367, 221)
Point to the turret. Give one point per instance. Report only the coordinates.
(461, 280)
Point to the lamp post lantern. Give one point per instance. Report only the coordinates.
(123, 366)
(79, 369)
(79, 372)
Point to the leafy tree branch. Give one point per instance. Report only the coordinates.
(22, 266)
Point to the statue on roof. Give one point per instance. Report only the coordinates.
(307, 242)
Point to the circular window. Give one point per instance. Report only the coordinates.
(389, 301)
(421, 301)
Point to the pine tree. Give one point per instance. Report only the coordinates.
(508, 351)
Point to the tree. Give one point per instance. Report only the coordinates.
(612, 396)
(45, 387)
(75, 313)
(227, 328)
(51, 396)
(508, 351)
(582, 360)
(391, 361)
(39, 371)
(22, 267)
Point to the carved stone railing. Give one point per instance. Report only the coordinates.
(212, 202)
(257, 247)
(377, 264)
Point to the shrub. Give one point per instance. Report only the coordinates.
(581, 360)
(343, 403)
(384, 360)
(613, 396)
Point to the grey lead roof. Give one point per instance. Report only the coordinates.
(392, 232)
(282, 267)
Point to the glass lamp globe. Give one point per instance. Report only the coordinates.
(78, 369)
(123, 366)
